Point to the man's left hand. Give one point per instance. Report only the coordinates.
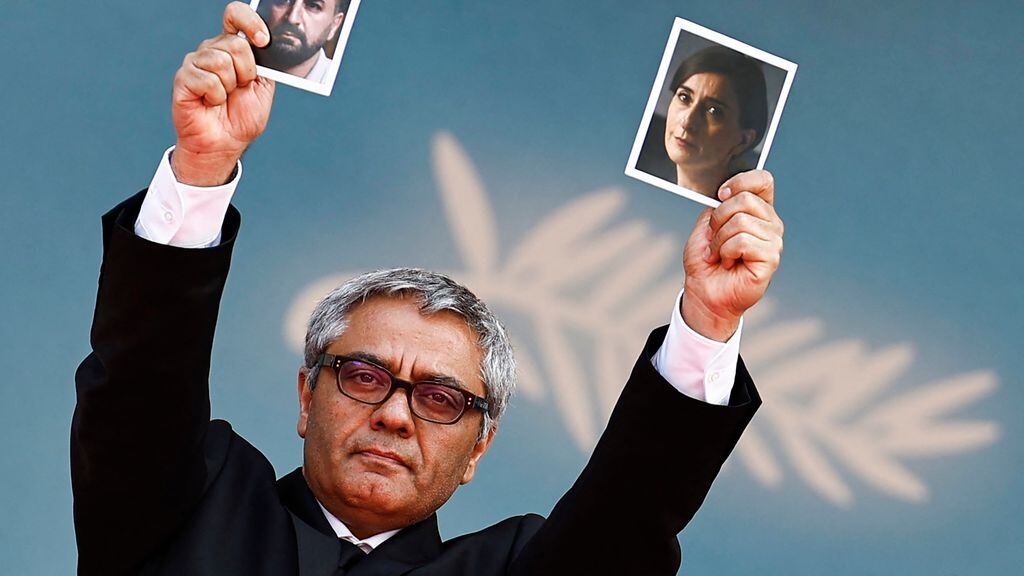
(731, 255)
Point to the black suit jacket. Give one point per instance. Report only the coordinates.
(159, 488)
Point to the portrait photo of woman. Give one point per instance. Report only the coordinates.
(711, 114)
(718, 112)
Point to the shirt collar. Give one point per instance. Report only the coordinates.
(343, 532)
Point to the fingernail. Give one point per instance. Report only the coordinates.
(725, 193)
(707, 254)
(261, 38)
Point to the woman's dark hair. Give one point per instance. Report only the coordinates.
(745, 77)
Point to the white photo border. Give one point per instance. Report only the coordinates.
(678, 26)
(323, 88)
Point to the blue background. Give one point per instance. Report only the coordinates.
(897, 167)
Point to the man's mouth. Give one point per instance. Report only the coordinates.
(383, 456)
(288, 35)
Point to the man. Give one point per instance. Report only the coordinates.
(404, 380)
(299, 29)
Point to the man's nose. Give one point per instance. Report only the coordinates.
(294, 12)
(394, 415)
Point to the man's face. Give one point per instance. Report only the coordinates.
(379, 468)
(298, 29)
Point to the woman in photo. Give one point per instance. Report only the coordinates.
(718, 113)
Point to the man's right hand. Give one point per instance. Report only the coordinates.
(219, 104)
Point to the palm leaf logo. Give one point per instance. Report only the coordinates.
(590, 287)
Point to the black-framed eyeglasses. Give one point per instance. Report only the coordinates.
(366, 382)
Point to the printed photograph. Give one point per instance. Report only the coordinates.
(712, 113)
(307, 39)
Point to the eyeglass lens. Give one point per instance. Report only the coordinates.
(371, 384)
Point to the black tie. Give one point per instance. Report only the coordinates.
(347, 558)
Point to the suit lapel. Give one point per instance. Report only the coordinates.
(318, 553)
(315, 541)
(318, 547)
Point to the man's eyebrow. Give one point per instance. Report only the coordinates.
(368, 357)
(431, 377)
(447, 381)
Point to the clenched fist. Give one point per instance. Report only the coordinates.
(219, 105)
(731, 255)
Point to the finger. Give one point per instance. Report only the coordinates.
(241, 55)
(201, 83)
(220, 63)
(759, 182)
(239, 17)
(742, 223)
(749, 248)
(744, 202)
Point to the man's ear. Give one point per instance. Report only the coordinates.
(305, 397)
(478, 451)
(339, 19)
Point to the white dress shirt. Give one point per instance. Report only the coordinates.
(191, 217)
(319, 70)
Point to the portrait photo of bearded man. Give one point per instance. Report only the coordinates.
(300, 30)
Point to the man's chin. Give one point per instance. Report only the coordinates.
(283, 56)
(372, 490)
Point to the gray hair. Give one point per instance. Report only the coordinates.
(435, 292)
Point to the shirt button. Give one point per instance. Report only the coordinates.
(713, 377)
(168, 216)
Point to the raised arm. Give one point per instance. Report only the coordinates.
(662, 449)
(137, 461)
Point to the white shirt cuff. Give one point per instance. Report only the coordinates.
(699, 367)
(181, 215)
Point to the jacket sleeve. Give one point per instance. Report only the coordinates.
(647, 477)
(143, 403)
